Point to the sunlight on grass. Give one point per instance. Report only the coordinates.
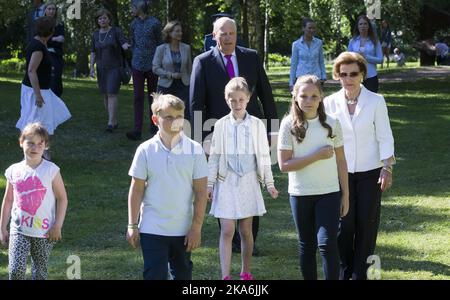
(413, 241)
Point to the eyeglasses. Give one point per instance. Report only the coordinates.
(171, 118)
(351, 74)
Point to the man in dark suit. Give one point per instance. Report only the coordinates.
(209, 77)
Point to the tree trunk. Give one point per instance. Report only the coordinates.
(266, 35)
(179, 10)
(256, 29)
(244, 22)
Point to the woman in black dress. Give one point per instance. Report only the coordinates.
(106, 53)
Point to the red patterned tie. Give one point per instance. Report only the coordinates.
(230, 68)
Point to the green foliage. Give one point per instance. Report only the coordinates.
(12, 65)
(278, 60)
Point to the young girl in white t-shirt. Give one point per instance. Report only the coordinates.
(239, 163)
(310, 149)
(36, 201)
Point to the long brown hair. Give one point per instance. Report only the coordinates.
(300, 123)
(370, 32)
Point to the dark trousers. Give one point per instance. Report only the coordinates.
(359, 228)
(139, 78)
(56, 76)
(317, 220)
(159, 250)
(371, 84)
(177, 88)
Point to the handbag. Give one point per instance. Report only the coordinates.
(125, 70)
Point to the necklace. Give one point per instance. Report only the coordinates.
(353, 101)
(106, 35)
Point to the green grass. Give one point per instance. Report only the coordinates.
(413, 242)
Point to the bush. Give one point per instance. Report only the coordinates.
(278, 60)
(12, 65)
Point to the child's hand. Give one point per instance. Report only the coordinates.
(4, 237)
(54, 234)
(210, 193)
(273, 192)
(325, 152)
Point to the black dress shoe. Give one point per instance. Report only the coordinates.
(134, 135)
(109, 129)
(116, 126)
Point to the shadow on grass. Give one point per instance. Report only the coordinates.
(394, 258)
(401, 218)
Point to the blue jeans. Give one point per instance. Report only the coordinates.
(317, 220)
(159, 250)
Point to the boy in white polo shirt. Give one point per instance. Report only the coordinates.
(169, 186)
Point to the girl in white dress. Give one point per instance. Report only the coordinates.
(239, 162)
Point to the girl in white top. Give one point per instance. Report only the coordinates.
(36, 201)
(310, 149)
(239, 161)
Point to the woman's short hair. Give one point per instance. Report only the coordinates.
(237, 84)
(347, 58)
(101, 12)
(141, 5)
(168, 29)
(305, 21)
(161, 102)
(45, 26)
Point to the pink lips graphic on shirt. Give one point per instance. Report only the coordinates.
(31, 193)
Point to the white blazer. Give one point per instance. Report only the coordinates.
(368, 136)
(163, 64)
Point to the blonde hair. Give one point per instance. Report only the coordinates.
(168, 30)
(300, 123)
(33, 129)
(347, 58)
(161, 102)
(237, 84)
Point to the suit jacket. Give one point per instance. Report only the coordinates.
(367, 136)
(163, 64)
(209, 77)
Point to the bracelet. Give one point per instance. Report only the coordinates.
(132, 226)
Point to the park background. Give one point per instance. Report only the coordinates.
(413, 242)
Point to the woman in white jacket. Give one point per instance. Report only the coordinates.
(369, 151)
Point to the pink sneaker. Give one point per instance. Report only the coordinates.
(228, 277)
(246, 276)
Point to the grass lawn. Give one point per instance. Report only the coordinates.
(414, 233)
